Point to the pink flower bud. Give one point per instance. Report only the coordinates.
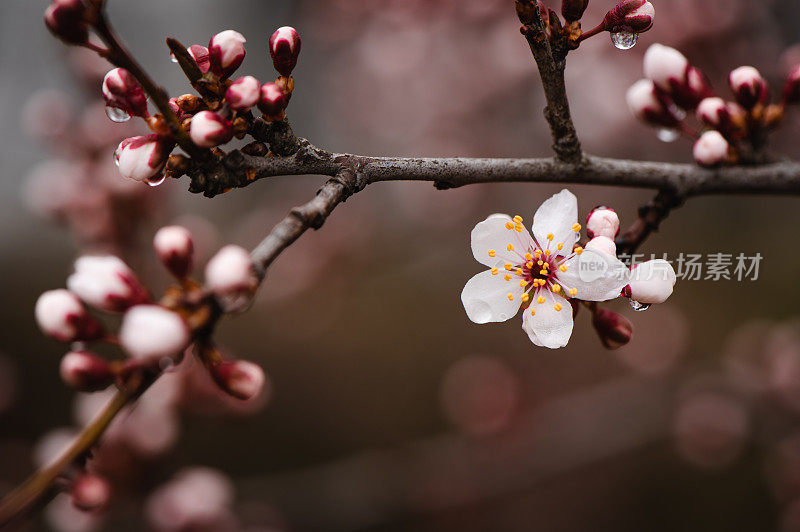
(665, 66)
(651, 282)
(151, 331)
(85, 371)
(226, 52)
(90, 492)
(230, 275)
(200, 56)
(284, 48)
(602, 244)
(240, 378)
(711, 149)
(61, 315)
(244, 92)
(66, 20)
(175, 249)
(173, 104)
(636, 15)
(121, 90)
(602, 221)
(573, 9)
(614, 330)
(106, 283)
(142, 158)
(645, 104)
(272, 101)
(748, 86)
(791, 91)
(719, 114)
(208, 129)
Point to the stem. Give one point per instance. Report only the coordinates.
(591, 33)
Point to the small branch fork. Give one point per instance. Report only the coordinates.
(214, 172)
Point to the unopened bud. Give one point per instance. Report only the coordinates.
(651, 282)
(189, 103)
(230, 275)
(175, 249)
(200, 56)
(573, 9)
(90, 492)
(665, 66)
(713, 112)
(748, 86)
(284, 48)
(272, 101)
(240, 378)
(85, 371)
(208, 129)
(614, 330)
(66, 20)
(711, 149)
(143, 158)
(243, 93)
(602, 221)
(122, 91)
(791, 91)
(635, 15)
(226, 52)
(645, 104)
(106, 283)
(602, 244)
(152, 331)
(61, 315)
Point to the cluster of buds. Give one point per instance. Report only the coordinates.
(730, 131)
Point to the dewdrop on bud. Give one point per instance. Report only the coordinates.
(106, 283)
(240, 378)
(711, 149)
(65, 19)
(284, 48)
(602, 221)
(645, 105)
(90, 492)
(748, 86)
(627, 20)
(243, 93)
(226, 52)
(602, 244)
(573, 9)
(122, 91)
(175, 249)
(230, 275)
(208, 129)
(200, 56)
(61, 316)
(272, 101)
(614, 330)
(791, 91)
(151, 331)
(85, 371)
(143, 158)
(651, 282)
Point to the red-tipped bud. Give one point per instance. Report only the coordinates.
(66, 20)
(122, 91)
(748, 86)
(573, 9)
(200, 56)
(674, 76)
(243, 93)
(272, 101)
(226, 52)
(230, 275)
(602, 221)
(62, 316)
(106, 283)
(90, 492)
(646, 105)
(85, 371)
(634, 15)
(284, 48)
(208, 129)
(711, 149)
(719, 114)
(175, 249)
(240, 378)
(614, 330)
(143, 158)
(153, 332)
(791, 91)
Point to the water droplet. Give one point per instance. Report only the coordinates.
(173, 58)
(668, 134)
(624, 38)
(639, 307)
(117, 115)
(156, 180)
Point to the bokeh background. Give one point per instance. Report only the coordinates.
(386, 408)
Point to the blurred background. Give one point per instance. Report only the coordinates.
(386, 409)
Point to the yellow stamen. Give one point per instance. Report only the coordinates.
(544, 272)
(510, 247)
(538, 253)
(525, 298)
(509, 226)
(518, 219)
(576, 227)
(578, 250)
(494, 271)
(508, 266)
(507, 277)
(528, 256)
(523, 283)
(492, 253)
(547, 252)
(560, 246)
(519, 271)
(550, 236)
(557, 307)
(540, 300)
(533, 312)
(518, 227)
(529, 265)
(546, 265)
(540, 263)
(573, 292)
(556, 288)
(510, 296)
(563, 267)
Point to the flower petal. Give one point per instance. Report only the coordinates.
(549, 327)
(652, 281)
(485, 298)
(492, 234)
(557, 215)
(596, 276)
